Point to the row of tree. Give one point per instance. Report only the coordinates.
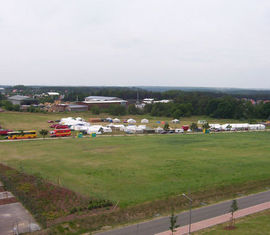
(223, 107)
(214, 104)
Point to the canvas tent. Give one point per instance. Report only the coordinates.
(116, 120)
(131, 121)
(144, 120)
(175, 121)
(158, 130)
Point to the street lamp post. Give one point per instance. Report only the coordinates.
(190, 208)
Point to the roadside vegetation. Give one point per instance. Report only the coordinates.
(46, 201)
(253, 224)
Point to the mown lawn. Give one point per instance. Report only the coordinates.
(135, 169)
(250, 225)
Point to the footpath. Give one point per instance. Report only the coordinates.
(202, 217)
(14, 218)
(218, 220)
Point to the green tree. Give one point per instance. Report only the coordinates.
(166, 126)
(173, 220)
(194, 126)
(205, 126)
(43, 132)
(117, 110)
(16, 107)
(132, 109)
(95, 110)
(233, 209)
(8, 105)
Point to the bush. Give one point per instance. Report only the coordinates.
(95, 110)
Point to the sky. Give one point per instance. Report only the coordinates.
(201, 43)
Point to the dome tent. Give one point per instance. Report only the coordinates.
(116, 120)
(144, 120)
(131, 121)
(175, 121)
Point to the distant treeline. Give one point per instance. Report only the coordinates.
(221, 107)
(214, 104)
(72, 93)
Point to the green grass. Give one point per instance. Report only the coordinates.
(38, 121)
(137, 169)
(253, 224)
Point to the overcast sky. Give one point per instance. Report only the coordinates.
(216, 43)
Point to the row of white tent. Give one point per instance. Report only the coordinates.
(236, 126)
(79, 124)
(130, 120)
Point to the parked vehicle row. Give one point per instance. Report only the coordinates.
(4, 131)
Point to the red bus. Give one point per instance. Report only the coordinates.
(60, 133)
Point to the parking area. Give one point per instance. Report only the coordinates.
(14, 218)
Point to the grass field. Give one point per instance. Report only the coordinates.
(135, 169)
(38, 121)
(253, 224)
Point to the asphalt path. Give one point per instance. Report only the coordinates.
(100, 136)
(162, 224)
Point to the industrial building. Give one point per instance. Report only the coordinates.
(102, 101)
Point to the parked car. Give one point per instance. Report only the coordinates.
(53, 125)
(185, 127)
(179, 130)
(62, 127)
(163, 132)
(4, 131)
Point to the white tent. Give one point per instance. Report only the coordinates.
(79, 119)
(179, 130)
(116, 120)
(95, 129)
(79, 127)
(158, 129)
(131, 121)
(257, 127)
(107, 129)
(215, 126)
(235, 126)
(114, 126)
(143, 127)
(175, 121)
(133, 129)
(144, 120)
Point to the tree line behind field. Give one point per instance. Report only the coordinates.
(184, 103)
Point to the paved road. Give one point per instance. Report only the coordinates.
(127, 135)
(162, 224)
